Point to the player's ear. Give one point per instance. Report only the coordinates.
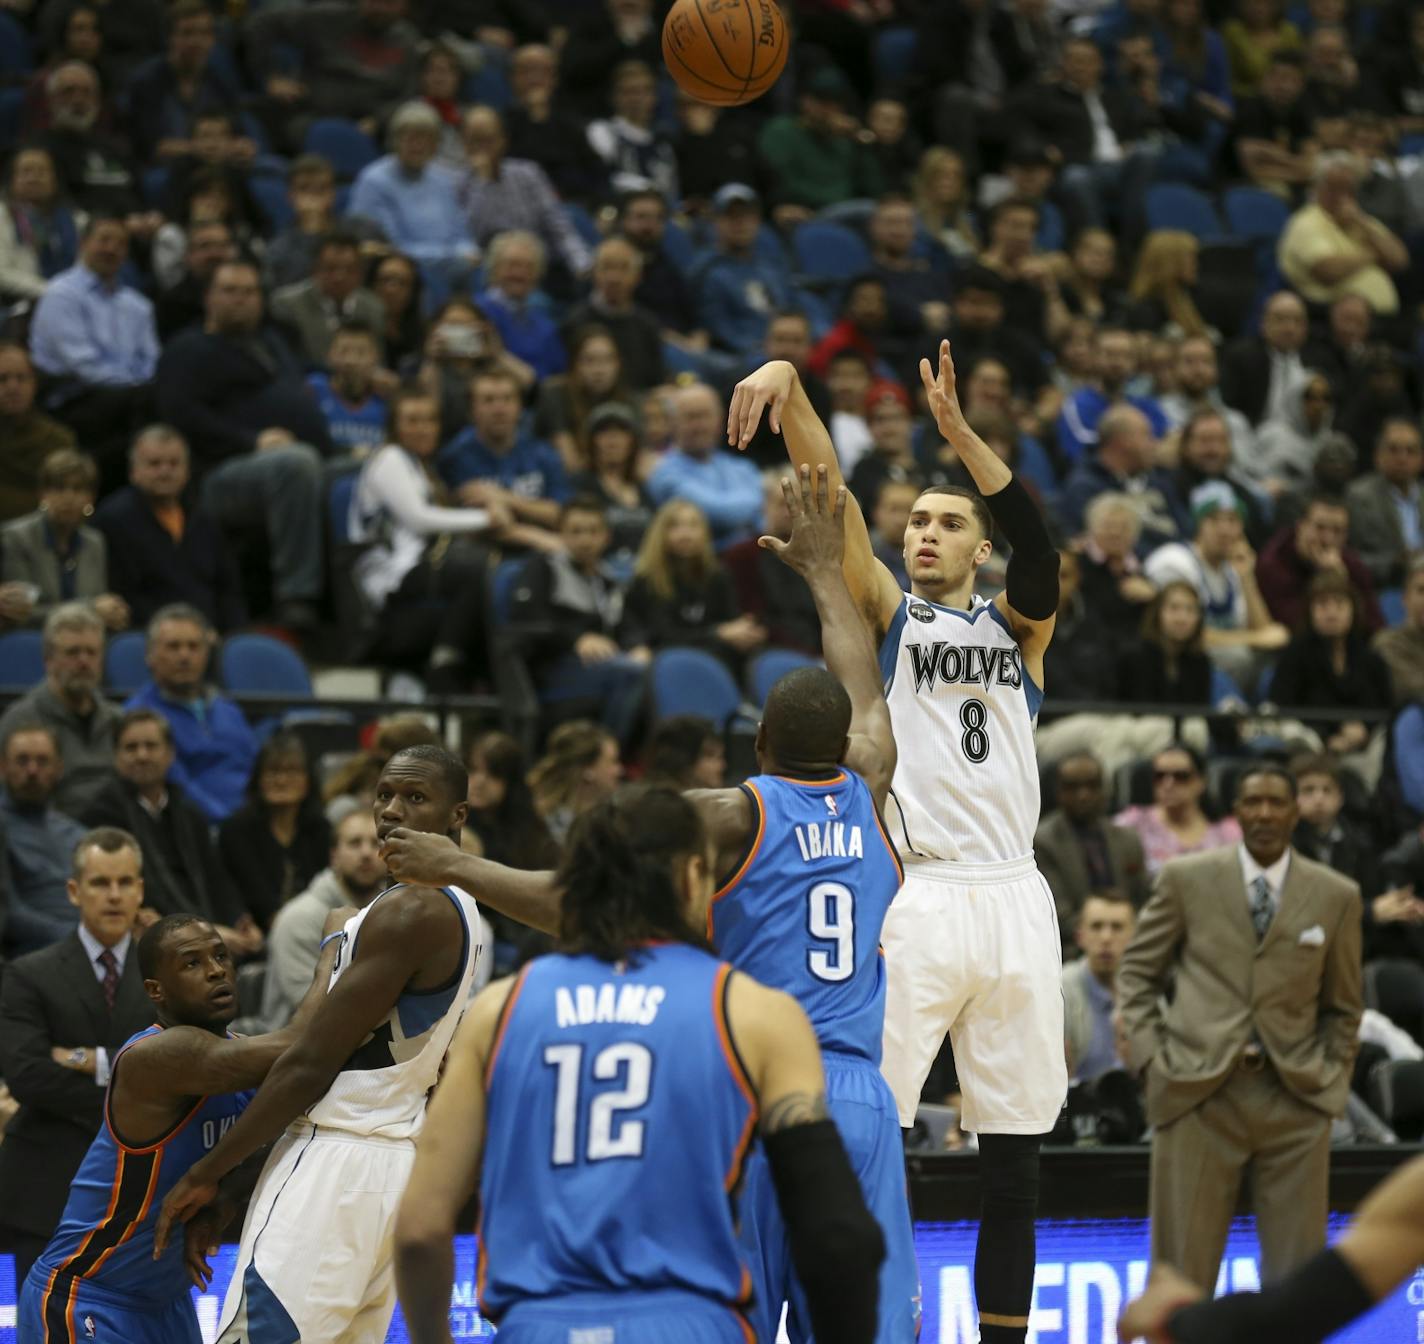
(986, 549)
(458, 815)
(155, 992)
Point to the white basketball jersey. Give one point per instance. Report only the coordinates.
(381, 1090)
(964, 710)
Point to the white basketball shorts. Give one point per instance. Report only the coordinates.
(974, 950)
(316, 1263)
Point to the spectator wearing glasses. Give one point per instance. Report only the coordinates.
(1174, 823)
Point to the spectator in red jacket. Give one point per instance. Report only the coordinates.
(1316, 544)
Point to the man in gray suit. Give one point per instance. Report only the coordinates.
(1387, 506)
(1080, 851)
(311, 310)
(1251, 1059)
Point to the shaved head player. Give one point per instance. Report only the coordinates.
(971, 942)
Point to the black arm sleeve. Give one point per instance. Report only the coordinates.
(836, 1245)
(1322, 1296)
(1032, 578)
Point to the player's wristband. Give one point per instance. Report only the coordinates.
(1319, 1298)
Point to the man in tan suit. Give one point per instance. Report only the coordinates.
(1251, 1059)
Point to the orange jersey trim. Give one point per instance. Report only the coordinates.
(739, 1074)
(503, 1024)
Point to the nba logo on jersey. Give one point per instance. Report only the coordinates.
(89, 1327)
(831, 805)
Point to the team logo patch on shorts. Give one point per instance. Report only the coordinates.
(921, 612)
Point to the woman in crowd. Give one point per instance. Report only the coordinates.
(52, 555)
(1168, 665)
(420, 571)
(395, 279)
(1086, 277)
(943, 199)
(1174, 823)
(1195, 53)
(507, 827)
(681, 596)
(441, 75)
(1252, 37)
(460, 342)
(1161, 291)
(39, 236)
(1115, 590)
(612, 473)
(1073, 367)
(1330, 665)
(279, 839)
(595, 376)
(580, 767)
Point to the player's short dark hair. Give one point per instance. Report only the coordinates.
(453, 776)
(982, 516)
(617, 873)
(1274, 769)
(153, 943)
(806, 718)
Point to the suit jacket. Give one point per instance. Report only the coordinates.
(52, 997)
(202, 886)
(1375, 531)
(1059, 855)
(1301, 999)
(311, 323)
(26, 556)
(149, 569)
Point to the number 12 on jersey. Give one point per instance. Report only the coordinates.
(830, 919)
(607, 1133)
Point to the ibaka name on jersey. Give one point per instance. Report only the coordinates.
(965, 664)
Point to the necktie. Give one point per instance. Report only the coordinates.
(110, 983)
(1262, 906)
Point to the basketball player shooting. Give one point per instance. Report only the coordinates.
(971, 942)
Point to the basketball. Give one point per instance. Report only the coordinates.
(724, 52)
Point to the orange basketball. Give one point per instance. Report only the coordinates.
(725, 52)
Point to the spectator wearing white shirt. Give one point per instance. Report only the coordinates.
(421, 574)
(1221, 566)
(1198, 389)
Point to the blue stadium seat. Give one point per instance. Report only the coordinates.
(583, 222)
(688, 681)
(829, 252)
(271, 196)
(261, 664)
(338, 507)
(155, 185)
(16, 56)
(1170, 205)
(894, 55)
(488, 85)
(125, 668)
(343, 144)
(1254, 214)
(769, 668)
(678, 244)
(1391, 602)
(1052, 232)
(21, 659)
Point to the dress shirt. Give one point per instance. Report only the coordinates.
(1101, 1055)
(95, 949)
(1287, 373)
(727, 488)
(98, 333)
(1275, 875)
(419, 213)
(1107, 148)
(1406, 505)
(520, 196)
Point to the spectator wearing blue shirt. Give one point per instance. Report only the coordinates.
(345, 391)
(514, 268)
(97, 340)
(738, 290)
(724, 485)
(38, 841)
(1115, 362)
(416, 202)
(214, 747)
(1123, 464)
(492, 462)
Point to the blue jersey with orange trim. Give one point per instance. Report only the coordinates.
(105, 1234)
(802, 911)
(618, 1122)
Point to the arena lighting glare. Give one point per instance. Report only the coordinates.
(1087, 1269)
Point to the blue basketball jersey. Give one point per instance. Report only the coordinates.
(618, 1123)
(105, 1235)
(802, 911)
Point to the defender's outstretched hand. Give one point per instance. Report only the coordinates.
(766, 389)
(817, 526)
(943, 394)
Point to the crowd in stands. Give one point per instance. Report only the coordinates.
(405, 330)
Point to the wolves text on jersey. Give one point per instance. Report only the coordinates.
(967, 664)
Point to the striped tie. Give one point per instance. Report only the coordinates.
(110, 983)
